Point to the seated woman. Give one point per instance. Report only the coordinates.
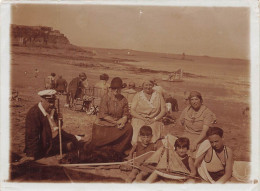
(196, 118)
(112, 129)
(148, 107)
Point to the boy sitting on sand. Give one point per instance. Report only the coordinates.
(181, 147)
(214, 159)
(143, 146)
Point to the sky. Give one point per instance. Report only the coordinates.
(211, 31)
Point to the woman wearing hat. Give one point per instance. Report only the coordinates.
(112, 127)
(196, 118)
(148, 107)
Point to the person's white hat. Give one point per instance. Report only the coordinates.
(47, 94)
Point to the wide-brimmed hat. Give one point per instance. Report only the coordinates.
(49, 94)
(117, 83)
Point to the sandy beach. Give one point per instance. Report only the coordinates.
(226, 92)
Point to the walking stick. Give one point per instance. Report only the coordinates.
(167, 154)
(59, 121)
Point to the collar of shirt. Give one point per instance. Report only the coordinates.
(42, 109)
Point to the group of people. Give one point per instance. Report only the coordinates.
(75, 89)
(135, 130)
(60, 84)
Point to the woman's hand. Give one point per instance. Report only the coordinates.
(110, 120)
(121, 122)
(149, 121)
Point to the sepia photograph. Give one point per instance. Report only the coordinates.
(117, 93)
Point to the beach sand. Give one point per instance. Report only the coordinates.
(223, 83)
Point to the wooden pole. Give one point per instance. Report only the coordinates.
(59, 120)
(167, 153)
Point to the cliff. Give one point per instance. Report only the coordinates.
(37, 36)
(42, 37)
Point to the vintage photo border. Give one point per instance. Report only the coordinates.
(254, 94)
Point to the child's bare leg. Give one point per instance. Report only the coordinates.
(152, 178)
(132, 175)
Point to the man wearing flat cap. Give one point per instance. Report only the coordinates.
(41, 131)
(76, 88)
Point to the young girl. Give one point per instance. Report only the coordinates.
(179, 154)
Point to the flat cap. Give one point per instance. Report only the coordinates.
(47, 94)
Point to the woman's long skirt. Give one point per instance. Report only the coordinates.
(118, 139)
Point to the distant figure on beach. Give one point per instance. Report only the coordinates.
(246, 112)
(61, 85)
(129, 93)
(41, 129)
(186, 97)
(50, 81)
(158, 88)
(76, 89)
(179, 74)
(102, 86)
(196, 119)
(214, 159)
(148, 108)
(36, 73)
(171, 107)
(183, 56)
(173, 103)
